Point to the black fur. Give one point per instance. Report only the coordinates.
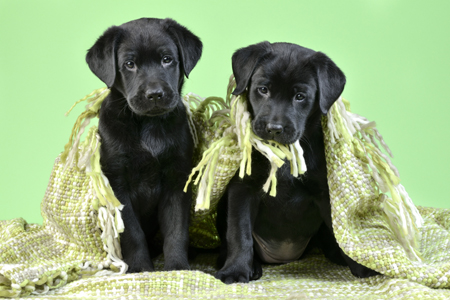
(289, 88)
(146, 146)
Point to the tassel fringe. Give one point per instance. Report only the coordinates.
(94, 99)
(362, 136)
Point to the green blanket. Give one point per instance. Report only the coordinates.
(313, 277)
(76, 252)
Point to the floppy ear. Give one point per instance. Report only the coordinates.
(244, 62)
(101, 58)
(189, 45)
(330, 80)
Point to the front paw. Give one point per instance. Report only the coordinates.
(233, 274)
(240, 273)
(140, 267)
(138, 262)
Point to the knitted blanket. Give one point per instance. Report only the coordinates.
(76, 252)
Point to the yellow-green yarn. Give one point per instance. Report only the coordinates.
(360, 135)
(104, 193)
(95, 100)
(38, 258)
(90, 148)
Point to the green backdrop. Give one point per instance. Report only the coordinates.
(395, 54)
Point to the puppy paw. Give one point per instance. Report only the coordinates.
(257, 270)
(357, 269)
(138, 268)
(236, 274)
(363, 272)
(139, 262)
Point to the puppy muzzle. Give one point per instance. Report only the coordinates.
(154, 102)
(278, 132)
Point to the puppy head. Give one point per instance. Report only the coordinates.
(286, 84)
(146, 60)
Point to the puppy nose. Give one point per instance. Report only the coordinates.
(274, 129)
(151, 94)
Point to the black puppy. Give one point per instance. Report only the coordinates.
(289, 88)
(146, 145)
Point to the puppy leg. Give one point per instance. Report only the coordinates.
(357, 269)
(325, 240)
(174, 221)
(221, 225)
(133, 243)
(241, 213)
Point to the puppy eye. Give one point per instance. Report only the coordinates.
(130, 64)
(263, 90)
(167, 59)
(300, 97)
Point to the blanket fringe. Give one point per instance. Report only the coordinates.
(108, 206)
(95, 100)
(362, 136)
(86, 156)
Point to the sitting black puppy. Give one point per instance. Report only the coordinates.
(288, 88)
(146, 144)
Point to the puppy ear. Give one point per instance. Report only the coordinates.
(330, 79)
(189, 45)
(101, 58)
(244, 62)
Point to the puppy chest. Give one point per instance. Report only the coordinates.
(155, 144)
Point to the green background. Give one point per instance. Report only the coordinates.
(394, 53)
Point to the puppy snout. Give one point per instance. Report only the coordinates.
(274, 129)
(154, 94)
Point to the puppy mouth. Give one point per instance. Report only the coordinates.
(154, 112)
(144, 108)
(284, 140)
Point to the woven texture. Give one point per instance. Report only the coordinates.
(202, 230)
(313, 277)
(363, 232)
(35, 258)
(69, 255)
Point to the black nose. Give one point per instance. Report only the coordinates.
(274, 129)
(151, 94)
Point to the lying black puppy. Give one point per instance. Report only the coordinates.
(146, 145)
(289, 88)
